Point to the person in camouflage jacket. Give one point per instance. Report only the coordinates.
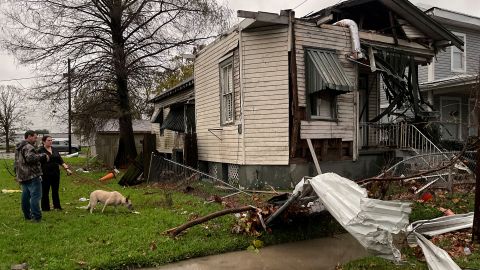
(28, 172)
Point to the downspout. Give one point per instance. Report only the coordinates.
(352, 25)
(357, 53)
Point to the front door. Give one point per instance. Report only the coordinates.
(450, 118)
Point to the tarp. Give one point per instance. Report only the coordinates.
(372, 222)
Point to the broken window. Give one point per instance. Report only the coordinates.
(226, 91)
(458, 63)
(324, 79)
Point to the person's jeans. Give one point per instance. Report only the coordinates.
(31, 195)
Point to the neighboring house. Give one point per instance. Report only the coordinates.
(173, 123)
(449, 80)
(106, 139)
(273, 82)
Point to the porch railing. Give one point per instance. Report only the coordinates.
(400, 136)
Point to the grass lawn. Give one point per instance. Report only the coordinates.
(75, 239)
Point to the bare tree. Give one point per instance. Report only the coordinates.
(12, 113)
(115, 47)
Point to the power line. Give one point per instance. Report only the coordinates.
(300, 4)
(27, 78)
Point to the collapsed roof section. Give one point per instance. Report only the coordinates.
(399, 19)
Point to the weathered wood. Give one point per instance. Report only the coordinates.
(133, 172)
(295, 113)
(175, 231)
(314, 156)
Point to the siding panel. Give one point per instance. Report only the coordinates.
(266, 103)
(227, 148)
(309, 35)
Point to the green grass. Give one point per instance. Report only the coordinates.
(76, 239)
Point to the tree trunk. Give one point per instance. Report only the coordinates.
(126, 143)
(7, 139)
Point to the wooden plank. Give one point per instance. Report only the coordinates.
(314, 156)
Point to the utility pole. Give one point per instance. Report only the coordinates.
(69, 82)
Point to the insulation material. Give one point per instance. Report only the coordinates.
(372, 222)
(437, 258)
(352, 25)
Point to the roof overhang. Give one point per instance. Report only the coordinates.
(439, 36)
(454, 18)
(452, 82)
(260, 19)
(184, 85)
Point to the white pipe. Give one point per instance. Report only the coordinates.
(352, 25)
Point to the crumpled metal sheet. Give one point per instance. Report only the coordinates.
(439, 225)
(372, 222)
(437, 258)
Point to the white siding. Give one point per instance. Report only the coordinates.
(266, 104)
(338, 39)
(228, 147)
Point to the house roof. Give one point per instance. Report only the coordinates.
(416, 17)
(139, 126)
(459, 80)
(182, 86)
(454, 18)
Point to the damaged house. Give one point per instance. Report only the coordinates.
(173, 123)
(276, 93)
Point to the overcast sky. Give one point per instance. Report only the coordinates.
(10, 70)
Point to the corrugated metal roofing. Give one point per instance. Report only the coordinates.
(324, 71)
(175, 120)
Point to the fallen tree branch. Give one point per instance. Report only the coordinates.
(175, 231)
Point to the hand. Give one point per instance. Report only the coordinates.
(69, 172)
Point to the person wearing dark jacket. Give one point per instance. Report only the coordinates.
(28, 173)
(51, 174)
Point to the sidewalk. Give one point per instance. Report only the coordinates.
(318, 254)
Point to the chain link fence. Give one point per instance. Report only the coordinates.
(173, 175)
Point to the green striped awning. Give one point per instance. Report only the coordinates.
(324, 72)
(175, 120)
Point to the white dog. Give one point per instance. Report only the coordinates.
(108, 198)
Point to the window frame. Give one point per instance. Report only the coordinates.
(308, 95)
(225, 64)
(454, 50)
(333, 107)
